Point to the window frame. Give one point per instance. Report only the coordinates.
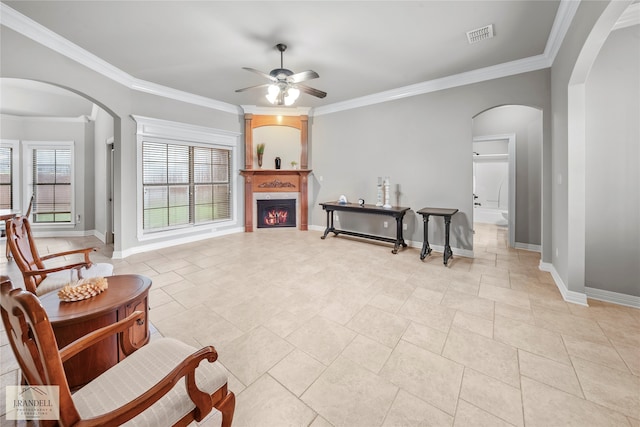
(168, 132)
(16, 172)
(27, 176)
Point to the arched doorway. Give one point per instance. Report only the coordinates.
(35, 110)
(507, 153)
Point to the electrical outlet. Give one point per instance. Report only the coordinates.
(386, 224)
(404, 227)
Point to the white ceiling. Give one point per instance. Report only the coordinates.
(358, 48)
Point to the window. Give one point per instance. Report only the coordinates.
(49, 178)
(185, 177)
(6, 177)
(52, 185)
(184, 185)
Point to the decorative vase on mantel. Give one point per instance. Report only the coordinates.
(260, 152)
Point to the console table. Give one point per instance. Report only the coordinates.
(447, 214)
(394, 211)
(72, 320)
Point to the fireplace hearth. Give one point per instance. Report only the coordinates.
(273, 213)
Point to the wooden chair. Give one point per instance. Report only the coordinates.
(144, 389)
(37, 277)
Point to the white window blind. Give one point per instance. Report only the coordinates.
(184, 185)
(52, 185)
(6, 178)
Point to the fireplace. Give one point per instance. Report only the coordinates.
(272, 213)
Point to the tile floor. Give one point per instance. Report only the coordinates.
(340, 332)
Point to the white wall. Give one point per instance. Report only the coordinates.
(612, 165)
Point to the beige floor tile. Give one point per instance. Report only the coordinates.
(630, 355)
(567, 324)
(469, 415)
(604, 354)
(297, 371)
(428, 314)
(266, 403)
(367, 353)
(322, 339)
(425, 337)
(506, 296)
(515, 313)
(432, 378)
(385, 328)
(409, 411)
(281, 346)
(549, 372)
(350, 396)
(483, 354)
(609, 387)
(493, 396)
(252, 354)
(477, 306)
(320, 422)
(474, 324)
(546, 406)
(530, 338)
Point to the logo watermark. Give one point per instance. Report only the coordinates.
(33, 402)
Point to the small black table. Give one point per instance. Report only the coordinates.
(447, 214)
(395, 211)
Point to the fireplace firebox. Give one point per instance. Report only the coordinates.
(276, 213)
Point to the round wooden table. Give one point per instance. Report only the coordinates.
(72, 320)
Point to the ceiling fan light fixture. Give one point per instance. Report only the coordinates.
(291, 96)
(272, 93)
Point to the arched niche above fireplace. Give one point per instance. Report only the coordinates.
(254, 121)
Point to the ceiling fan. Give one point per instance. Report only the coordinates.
(285, 86)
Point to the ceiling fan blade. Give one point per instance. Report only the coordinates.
(254, 87)
(311, 91)
(302, 76)
(265, 75)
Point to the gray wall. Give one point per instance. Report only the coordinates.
(423, 143)
(103, 133)
(526, 123)
(612, 165)
(24, 58)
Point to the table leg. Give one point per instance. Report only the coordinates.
(399, 237)
(329, 224)
(448, 253)
(426, 249)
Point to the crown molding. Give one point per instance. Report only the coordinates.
(532, 63)
(276, 111)
(631, 16)
(10, 18)
(79, 119)
(31, 29)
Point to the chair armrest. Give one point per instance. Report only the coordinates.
(84, 251)
(186, 370)
(91, 338)
(54, 269)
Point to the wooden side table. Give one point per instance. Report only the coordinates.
(447, 214)
(71, 320)
(396, 212)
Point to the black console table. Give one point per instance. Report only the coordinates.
(394, 211)
(447, 214)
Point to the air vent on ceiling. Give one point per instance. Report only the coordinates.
(479, 34)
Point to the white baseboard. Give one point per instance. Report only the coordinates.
(528, 247)
(567, 295)
(100, 236)
(174, 242)
(613, 297)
